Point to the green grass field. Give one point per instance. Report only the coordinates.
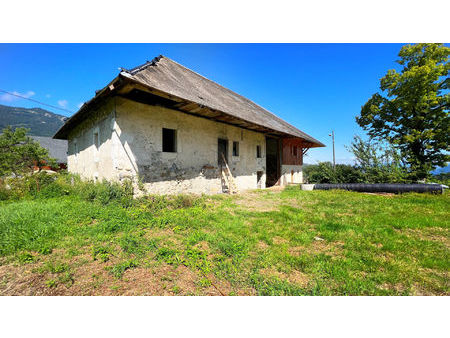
(262, 242)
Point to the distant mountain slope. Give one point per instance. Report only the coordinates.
(40, 121)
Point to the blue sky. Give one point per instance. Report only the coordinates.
(315, 87)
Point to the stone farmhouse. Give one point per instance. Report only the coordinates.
(178, 132)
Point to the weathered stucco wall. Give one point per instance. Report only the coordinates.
(130, 145)
(194, 166)
(291, 174)
(84, 157)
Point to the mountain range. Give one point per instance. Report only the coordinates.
(41, 122)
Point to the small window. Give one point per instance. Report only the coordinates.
(169, 140)
(96, 140)
(235, 148)
(75, 147)
(295, 151)
(258, 151)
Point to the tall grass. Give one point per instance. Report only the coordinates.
(43, 185)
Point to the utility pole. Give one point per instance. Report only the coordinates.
(334, 158)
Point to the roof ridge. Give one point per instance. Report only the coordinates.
(235, 93)
(145, 65)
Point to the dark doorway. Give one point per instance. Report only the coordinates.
(272, 161)
(222, 151)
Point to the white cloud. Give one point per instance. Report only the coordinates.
(80, 105)
(48, 96)
(9, 98)
(62, 103)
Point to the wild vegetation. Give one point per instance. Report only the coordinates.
(75, 238)
(375, 162)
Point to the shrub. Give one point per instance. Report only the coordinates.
(43, 185)
(106, 192)
(324, 173)
(442, 178)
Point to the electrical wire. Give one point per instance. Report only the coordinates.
(45, 104)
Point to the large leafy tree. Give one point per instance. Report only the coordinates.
(412, 110)
(19, 152)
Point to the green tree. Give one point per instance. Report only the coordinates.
(19, 152)
(411, 112)
(378, 162)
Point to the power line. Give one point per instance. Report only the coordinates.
(45, 104)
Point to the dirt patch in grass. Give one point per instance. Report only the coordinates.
(261, 245)
(398, 288)
(93, 277)
(294, 277)
(256, 204)
(279, 240)
(202, 245)
(430, 234)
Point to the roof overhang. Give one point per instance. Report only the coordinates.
(126, 86)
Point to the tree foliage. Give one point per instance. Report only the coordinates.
(411, 112)
(374, 163)
(378, 162)
(19, 152)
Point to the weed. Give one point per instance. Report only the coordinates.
(118, 269)
(25, 257)
(45, 250)
(204, 282)
(196, 259)
(51, 283)
(168, 255)
(54, 267)
(131, 244)
(101, 252)
(66, 279)
(176, 289)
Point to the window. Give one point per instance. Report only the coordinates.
(75, 147)
(235, 148)
(258, 151)
(96, 140)
(295, 151)
(169, 140)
